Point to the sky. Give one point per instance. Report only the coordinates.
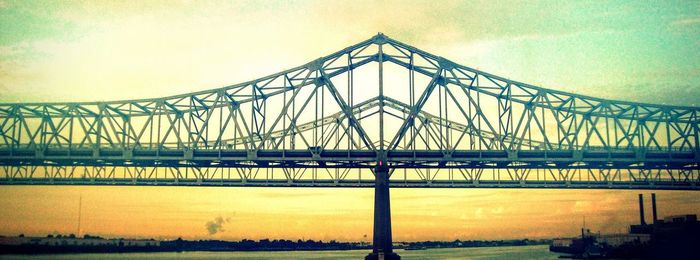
(59, 51)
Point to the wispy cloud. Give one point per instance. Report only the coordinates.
(687, 21)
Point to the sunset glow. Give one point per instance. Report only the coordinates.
(77, 51)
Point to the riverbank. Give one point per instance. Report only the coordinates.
(90, 244)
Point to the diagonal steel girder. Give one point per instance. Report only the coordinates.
(347, 111)
(408, 122)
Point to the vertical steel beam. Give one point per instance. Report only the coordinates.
(381, 98)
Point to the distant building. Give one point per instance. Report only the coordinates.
(14, 241)
(673, 237)
(668, 224)
(562, 242)
(681, 219)
(616, 240)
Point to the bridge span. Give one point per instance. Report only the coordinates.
(379, 114)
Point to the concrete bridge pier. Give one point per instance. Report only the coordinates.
(381, 243)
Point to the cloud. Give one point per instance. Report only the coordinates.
(687, 21)
(114, 50)
(216, 225)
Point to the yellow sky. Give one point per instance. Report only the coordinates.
(86, 51)
(325, 213)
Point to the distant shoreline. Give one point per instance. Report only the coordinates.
(264, 245)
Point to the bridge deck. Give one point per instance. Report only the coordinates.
(354, 158)
(560, 169)
(369, 183)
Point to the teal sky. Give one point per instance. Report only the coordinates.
(107, 50)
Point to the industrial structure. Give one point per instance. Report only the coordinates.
(379, 114)
(674, 237)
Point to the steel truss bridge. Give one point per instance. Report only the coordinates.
(379, 114)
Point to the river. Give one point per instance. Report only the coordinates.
(509, 252)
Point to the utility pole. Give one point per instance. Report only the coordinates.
(80, 213)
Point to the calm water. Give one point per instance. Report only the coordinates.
(516, 252)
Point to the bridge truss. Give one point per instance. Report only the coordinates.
(329, 122)
(377, 114)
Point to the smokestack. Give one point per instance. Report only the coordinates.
(653, 206)
(641, 210)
